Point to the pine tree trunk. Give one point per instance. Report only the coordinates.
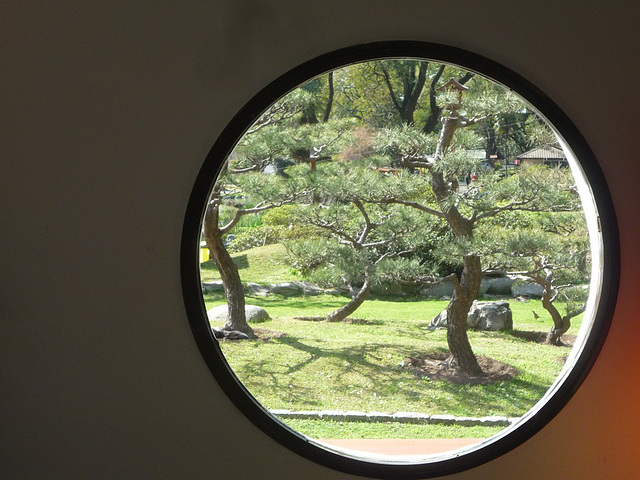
(463, 296)
(467, 287)
(357, 300)
(560, 324)
(233, 288)
(553, 337)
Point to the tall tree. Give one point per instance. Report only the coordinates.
(362, 237)
(412, 76)
(286, 132)
(407, 86)
(214, 232)
(464, 209)
(242, 176)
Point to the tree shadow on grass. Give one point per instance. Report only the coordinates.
(350, 320)
(241, 262)
(299, 302)
(277, 383)
(353, 356)
(370, 381)
(567, 340)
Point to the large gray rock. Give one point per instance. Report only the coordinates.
(484, 287)
(498, 285)
(440, 320)
(445, 289)
(285, 288)
(482, 315)
(257, 289)
(523, 288)
(490, 316)
(309, 288)
(254, 314)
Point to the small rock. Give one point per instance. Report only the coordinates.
(333, 291)
(285, 288)
(229, 334)
(214, 286)
(309, 288)
(491, 316)
(257, 289)
(254, 314)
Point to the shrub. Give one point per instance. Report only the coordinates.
(247, 238)
(261, 235)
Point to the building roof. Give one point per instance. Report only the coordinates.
(453, 83)
(546, 152)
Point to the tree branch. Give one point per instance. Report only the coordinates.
(368, 224)
(407, 203)
(275, 114)
(260, 208)
(412, 162)
(391, 92)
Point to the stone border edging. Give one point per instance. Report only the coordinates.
(398, 417)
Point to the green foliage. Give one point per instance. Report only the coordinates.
(286, 110)
(282, 216)
(345, 196)
(404, 141)
(266, 234)
(514, 219)
(247, 238)
(535, 188)
(308, 254)
(364, 94)
(488, 99)
(401, 271)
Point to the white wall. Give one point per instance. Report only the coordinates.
(108, 110)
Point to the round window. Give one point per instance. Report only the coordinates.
(400, 260)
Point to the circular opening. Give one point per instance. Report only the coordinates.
(433, 248)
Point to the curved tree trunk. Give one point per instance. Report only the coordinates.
(463, 296)
(233, 288)
(466, 289)
(559, 328)
(407, 102)
(357, 300)
(434, 109)
(560, 323)
(327, 110)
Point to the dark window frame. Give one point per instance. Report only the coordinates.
(192, 289)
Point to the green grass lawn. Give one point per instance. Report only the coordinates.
(337, 430)
(266, 264)
(357, 366)
(317, 365)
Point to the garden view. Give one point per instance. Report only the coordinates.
(398, 249)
